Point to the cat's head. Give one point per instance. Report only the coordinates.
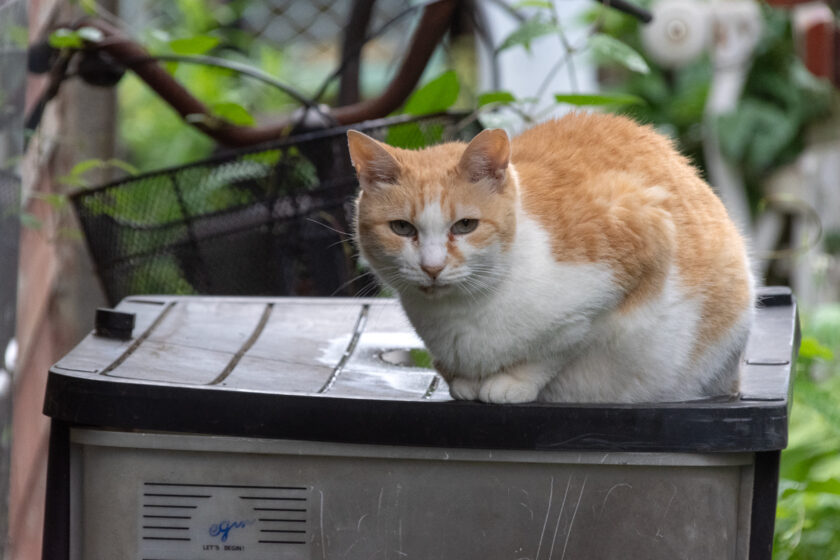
(438, 221)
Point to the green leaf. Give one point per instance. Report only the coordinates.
(810, 348)
(532, 4)
(611, 49)
(73, 181)
(90, 34)
(776, 130)
(65, 39)
(788, 487)
(502, 97)
(436, 96)
(420, 358)
(410, 136)
(75, 177)
(831, 486)
(735, 131)
(233, 113)
(529, 30)
(85, 166)
(55, 200)
(583, 99)
(75, 39)
(195, 14)
(198, 44)
(90, 7)
(124, 165)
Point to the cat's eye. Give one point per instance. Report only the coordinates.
(464, 226)
(403, 228)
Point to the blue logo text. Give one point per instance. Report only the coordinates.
(223, 528)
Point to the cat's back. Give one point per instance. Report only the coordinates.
(585, 166)
(607, 189)
(570, 150)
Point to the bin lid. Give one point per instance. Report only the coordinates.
(353, 370)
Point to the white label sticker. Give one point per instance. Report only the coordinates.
(209, 521)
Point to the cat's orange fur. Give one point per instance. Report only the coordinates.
(605, 190)
(589, 191)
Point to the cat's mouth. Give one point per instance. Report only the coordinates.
(434, 290)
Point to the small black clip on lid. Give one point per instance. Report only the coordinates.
(111, 323)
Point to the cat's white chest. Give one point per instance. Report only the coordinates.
(541, 307)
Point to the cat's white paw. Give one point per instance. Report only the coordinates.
(504, 388)
(463, 388)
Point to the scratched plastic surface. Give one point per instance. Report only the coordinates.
(349, 348)
(311, 500)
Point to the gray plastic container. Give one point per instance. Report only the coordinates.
(289, 428)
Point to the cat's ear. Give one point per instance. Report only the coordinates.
(486, 157)
(371, 159)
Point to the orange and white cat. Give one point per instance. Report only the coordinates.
(585, 261)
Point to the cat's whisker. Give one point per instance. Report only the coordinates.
(345, 284)
(367, 289)
(341, 242)
(345, 235)
(473, 287)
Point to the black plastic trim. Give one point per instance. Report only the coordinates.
(756, 421)
(677, 427)
(765, 489)
(56, 537)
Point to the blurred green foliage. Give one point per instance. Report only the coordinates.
(768, 128)
(781, 100)
(673, 99)
(153, 136)
(151, 133)
(808, 514)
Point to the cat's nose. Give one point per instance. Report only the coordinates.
(432, 271)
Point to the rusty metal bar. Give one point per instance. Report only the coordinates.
(431, 29)
(433, 25)
(354, 38)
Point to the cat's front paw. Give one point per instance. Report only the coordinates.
(504, 388)
(464, 388)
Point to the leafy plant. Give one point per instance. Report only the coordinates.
(780, 100)
(529, 30)
(595, 99)
(199, 28)
(545, 22)
(673, 99)
(808, 513)
(76, 177)
(74, 38)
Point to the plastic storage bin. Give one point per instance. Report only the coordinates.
(302, 428)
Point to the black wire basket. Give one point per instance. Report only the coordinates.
(269, 220)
